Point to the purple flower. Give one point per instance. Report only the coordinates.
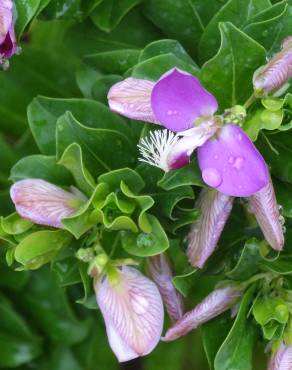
(213, 305)
(228, 159)
(214, 209)
(44, 203)
(132, 310)
(281, 359)
(276, 73)
(161, 273)
(7, 34)
(264, 206)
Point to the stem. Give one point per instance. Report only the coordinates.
(262, 275)
(249, 101)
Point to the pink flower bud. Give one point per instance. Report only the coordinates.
(44, 203)
(213, 305)
(7, 34)
(264, 206)
(215, 208)
(276, 73)
(161, 273)
(132, 310)
(281, 359)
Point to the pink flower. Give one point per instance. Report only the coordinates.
(161, 273)
(213, 305)
(44, 203)
(132, 310)
(7, 34)
(281, 359)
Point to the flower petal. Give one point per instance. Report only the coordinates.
(133, 312)
(213, 305)
(131, 98)
(214, 209)
(264, 206)
(178, 99)
(161, 273)
(5, 18)
(231, 163)
(281, 359)
(42, 202)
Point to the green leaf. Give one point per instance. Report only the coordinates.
(63, 9)
(236, 351)
(229, 74)
(18, 344)
(41, 167)
(283, 194)
(116, 61)
(130, 177)
(146, 244)
(282, 265)
(14, 224)
(109, 13)
(263, 119)
(153, 68)
(248, 262)
(236, 12)
(43, 114)
(25, 11)
(97, 153)
(66, 271)
(41, 247)
(72, 159)
(102, 85)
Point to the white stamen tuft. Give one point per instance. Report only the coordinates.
(155, 148)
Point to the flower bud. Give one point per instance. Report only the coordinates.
(132, 309)
(213, 305)
(215, 209)
(160, 272)
(281, 358)
(7, 34)
(264, 206)
(276, 73)
(44, 203)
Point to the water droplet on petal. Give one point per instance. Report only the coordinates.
(239, 137)
(212, 177)
(238, 162)
(231, 159)
(216, 156)
(169, 112)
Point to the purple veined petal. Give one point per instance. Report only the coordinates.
(161, 273)
(232, 164)
(264, 206)
(203, 237)
(42, 202)
(5, 18)
(131, 98)
(178, 99)
(133, 313)
(281, 359)
(276, 73)
(213, 305)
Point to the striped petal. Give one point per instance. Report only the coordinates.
(43, 203)
(131, 98)
(281, 359)
(266, 210)
(133, 312)
(215, 209)
(5, 18)
(161, 273)
(213, 305)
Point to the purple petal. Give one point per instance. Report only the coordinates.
(161, 273)
(213, 305)
(214, 209)
(281, 359)
(178, 99)
(5, 18)
(131, 98)
(231, 163)
(43, 203)
(264, 206)
(133, 312)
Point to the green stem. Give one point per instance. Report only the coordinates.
(249, 101)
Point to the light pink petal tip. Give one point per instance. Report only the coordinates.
(42, 202)
(161, 273)
(133, 313)
(131, 98)
(213, 305)
(266, 210)
(281, 359)
(214, 209)
(7, 34)
(178, 99)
